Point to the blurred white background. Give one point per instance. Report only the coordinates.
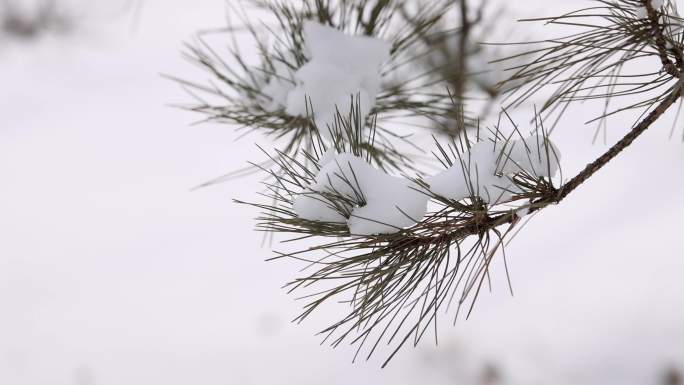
(112, 272)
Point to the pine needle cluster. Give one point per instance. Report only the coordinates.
(395, 285)
(613, 55)
(411, 97)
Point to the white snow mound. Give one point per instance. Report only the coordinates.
(342, 68)
(391, 203)
(486, 169)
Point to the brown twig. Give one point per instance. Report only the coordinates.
(625, 142)
(661, 45)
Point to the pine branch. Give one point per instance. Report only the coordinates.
(481, 224)
(660, 42)
(395, 275)
(602, 61)
(237, 95)
(621, 145)
(395, 281)
(463, 63)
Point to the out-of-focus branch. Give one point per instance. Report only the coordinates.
(49, 16)
(462, 67)
(461, 76)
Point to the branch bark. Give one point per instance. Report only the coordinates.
(660, 42)
(625, 142)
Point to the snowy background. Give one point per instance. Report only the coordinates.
(112, 272)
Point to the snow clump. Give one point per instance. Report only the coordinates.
(340, 68)
(391, 203)
(377, 203)
(486, 170)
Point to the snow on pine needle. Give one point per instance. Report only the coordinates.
(399, 248)
(319, 58)
(486, 171)
(377, 203)
(341, 68)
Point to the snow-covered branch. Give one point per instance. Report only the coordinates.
(395, 241)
